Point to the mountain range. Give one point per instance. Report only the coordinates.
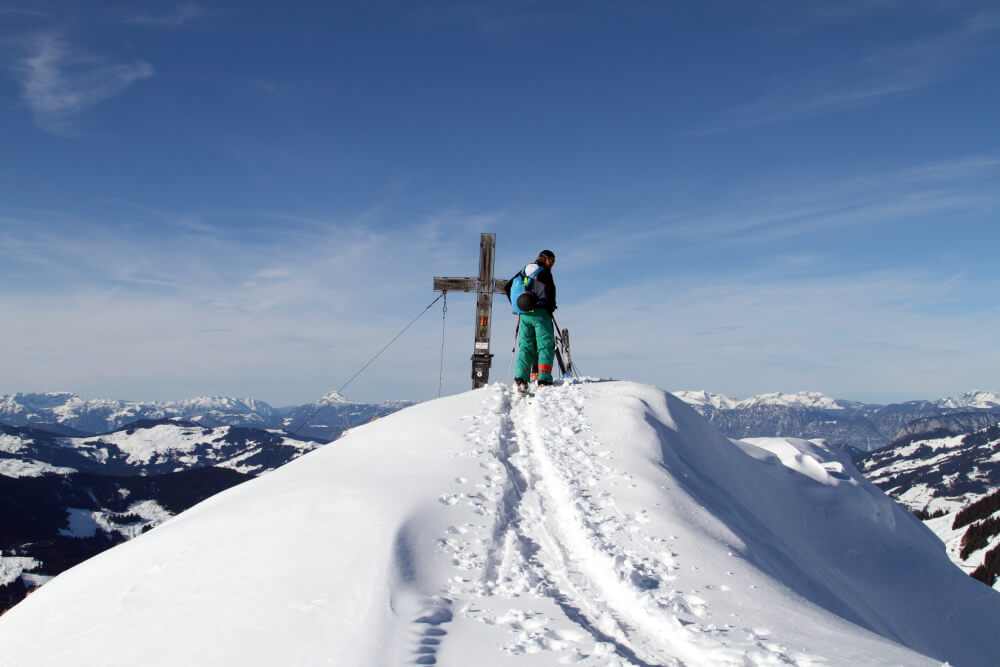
(805, 414)
(595, 523)
(861, 426)
(68, 414)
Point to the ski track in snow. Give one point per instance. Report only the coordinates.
(561, 566)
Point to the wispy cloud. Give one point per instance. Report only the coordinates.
(871, 78)
(20, 11)
(289, 312)
(295, 319)
(59, 83)
(181, 14)
(249, 262)
(971, 167)
(777, 211)
(864, 335)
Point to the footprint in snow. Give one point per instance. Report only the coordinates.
(430, 631)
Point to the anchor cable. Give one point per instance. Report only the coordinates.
(386, 347)
(370, 361)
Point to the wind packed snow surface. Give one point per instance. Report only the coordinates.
(597, 523)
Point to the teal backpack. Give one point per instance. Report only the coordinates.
(524, 290)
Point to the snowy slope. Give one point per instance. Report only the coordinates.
(600, 523)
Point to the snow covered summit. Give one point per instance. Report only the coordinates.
(803, 399)
(599, 523)
(332, 398)
(980, 399)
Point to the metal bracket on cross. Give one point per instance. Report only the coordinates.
(485, 286)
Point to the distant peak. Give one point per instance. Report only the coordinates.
(332, 398)
(706, 398)
(977, 398)
(218, 401)
(808, 399)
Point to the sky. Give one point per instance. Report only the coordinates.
(252, 199)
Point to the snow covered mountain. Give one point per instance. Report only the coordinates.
(147, 447)
(840, 422)
(101, 415)
(981, 400)
(66, 499)
(333, 414)
(953, 482)
(326, 419)
(599, 523)
(804, 414)
(803, 399)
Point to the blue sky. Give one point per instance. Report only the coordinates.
(251, 199)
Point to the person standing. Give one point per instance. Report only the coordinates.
(532, 293)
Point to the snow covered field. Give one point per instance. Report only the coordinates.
(598, 523)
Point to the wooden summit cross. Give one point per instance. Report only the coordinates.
(485, 287)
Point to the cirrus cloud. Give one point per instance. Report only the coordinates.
(59, 83)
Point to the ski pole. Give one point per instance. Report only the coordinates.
(510, 366)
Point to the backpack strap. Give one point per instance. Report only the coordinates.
(534, 273)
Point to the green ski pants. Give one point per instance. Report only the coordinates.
(536, 343)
